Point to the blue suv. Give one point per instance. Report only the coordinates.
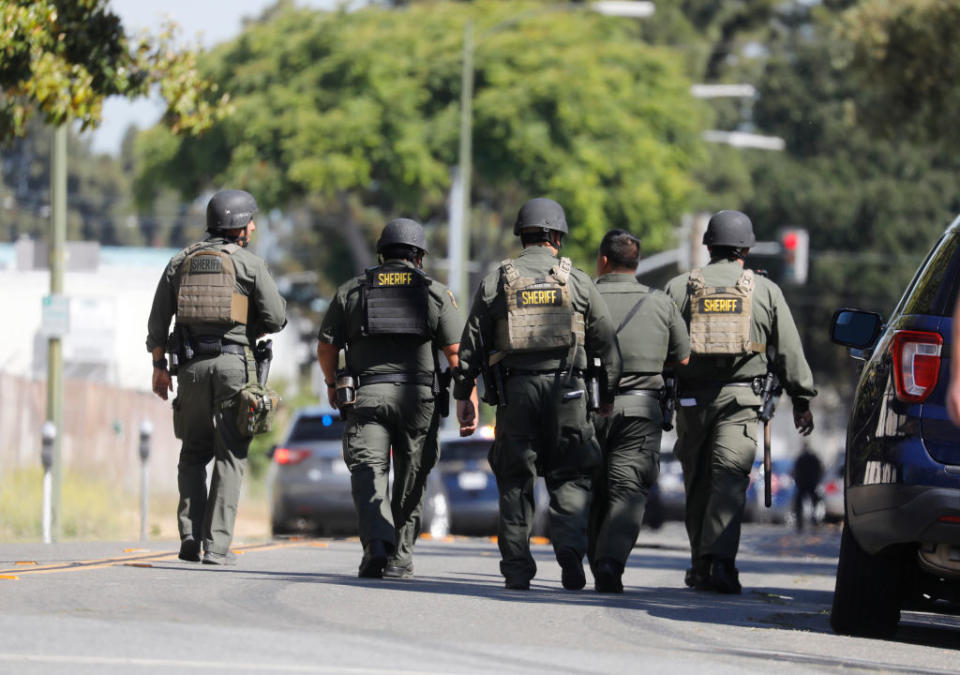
(900, 547)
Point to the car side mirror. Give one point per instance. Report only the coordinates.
(854, 328)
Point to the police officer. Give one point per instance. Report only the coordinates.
(390, 321)
(224, 299)
(651, 334)
(740, 326)
(533, 325)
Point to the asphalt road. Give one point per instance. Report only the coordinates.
(297, 606)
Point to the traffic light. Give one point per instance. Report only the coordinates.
(795, 242)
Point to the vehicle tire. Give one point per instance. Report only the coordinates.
(867, 596)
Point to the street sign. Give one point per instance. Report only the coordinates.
(55, 316)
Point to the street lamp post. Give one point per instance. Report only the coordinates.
(458, 249)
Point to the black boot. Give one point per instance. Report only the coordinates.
(189, 550)
(698, 576)
(374, 560)
(607, 576)
(572, 577)
(724, 576)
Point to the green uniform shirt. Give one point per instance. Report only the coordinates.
(266, 312)
(771, 324)
(654, 336)
(378, 354)
(489, 305)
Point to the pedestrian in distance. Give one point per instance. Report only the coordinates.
(651, 335)
(390, 321)
(740, 327)
(535, 326)
(223, 299)
(807, 474)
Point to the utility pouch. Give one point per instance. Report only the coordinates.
(256, 408)
(173, 351)
(346, 388)
(208, 345)
(443, 378)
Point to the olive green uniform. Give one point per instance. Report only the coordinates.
(717, 418)
(630, 437)
(397, 416)
(204, 384)
(539, 430)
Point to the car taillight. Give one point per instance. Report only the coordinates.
(290, 455)
(831, 487)
(916, 364)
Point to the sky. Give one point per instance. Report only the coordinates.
(213, 21)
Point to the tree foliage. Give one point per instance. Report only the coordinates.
(364, 105)
(904, 52)
(63, 57)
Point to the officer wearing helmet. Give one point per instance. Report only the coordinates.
(740, 327)
(390, 322)
(535, 324)
(223, 299)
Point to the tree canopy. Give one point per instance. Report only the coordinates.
(366, 103)
(63, 57)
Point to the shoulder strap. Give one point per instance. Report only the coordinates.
(695, 280)
(632, 312)
(510, 273)
(561, 271)
(746, 281)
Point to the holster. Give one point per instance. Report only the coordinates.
(442, 379)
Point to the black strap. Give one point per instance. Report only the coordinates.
(651, 393)
(633, 310)
(425, 379)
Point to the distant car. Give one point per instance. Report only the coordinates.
(900, 546)
(782, 491)
(671, 492)
(832, 490)
(471, 487)
(309, 483)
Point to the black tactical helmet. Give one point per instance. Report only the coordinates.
(402, 231)
(541, 212)
(229, 210)
(729, 228)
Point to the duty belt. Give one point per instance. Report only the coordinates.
(232, 348)
(651, 393)
(551, 371)
(423, 379)
(756, 384)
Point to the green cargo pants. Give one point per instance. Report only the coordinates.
(203, 384)
(630, 442)
(387, 417)
(539, 432)
(716, 445)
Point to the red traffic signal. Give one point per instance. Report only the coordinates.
(795, 243)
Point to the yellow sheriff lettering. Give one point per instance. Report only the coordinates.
(394, 278)
(548, 297)
(721, 305)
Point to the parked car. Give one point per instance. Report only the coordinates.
(782, 491)
(471, 487)
(670, 490)
(832, 490)
(309, 483)
(900, 546)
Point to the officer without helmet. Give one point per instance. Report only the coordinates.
(740, 326)
(223, 298)
(391, 321)
(651, 335)
(535, 322)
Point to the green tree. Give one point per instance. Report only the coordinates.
(904, 53)
(355, 116)
(63, 57)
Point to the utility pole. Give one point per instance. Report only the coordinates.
(459, 278)
(58, 240)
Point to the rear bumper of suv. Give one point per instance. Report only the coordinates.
(883, 515)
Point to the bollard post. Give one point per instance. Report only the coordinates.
(48, 434)
(146, 431)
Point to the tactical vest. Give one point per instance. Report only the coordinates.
(540, 314)
(720, 316)
(208, 287)
(395, 300)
